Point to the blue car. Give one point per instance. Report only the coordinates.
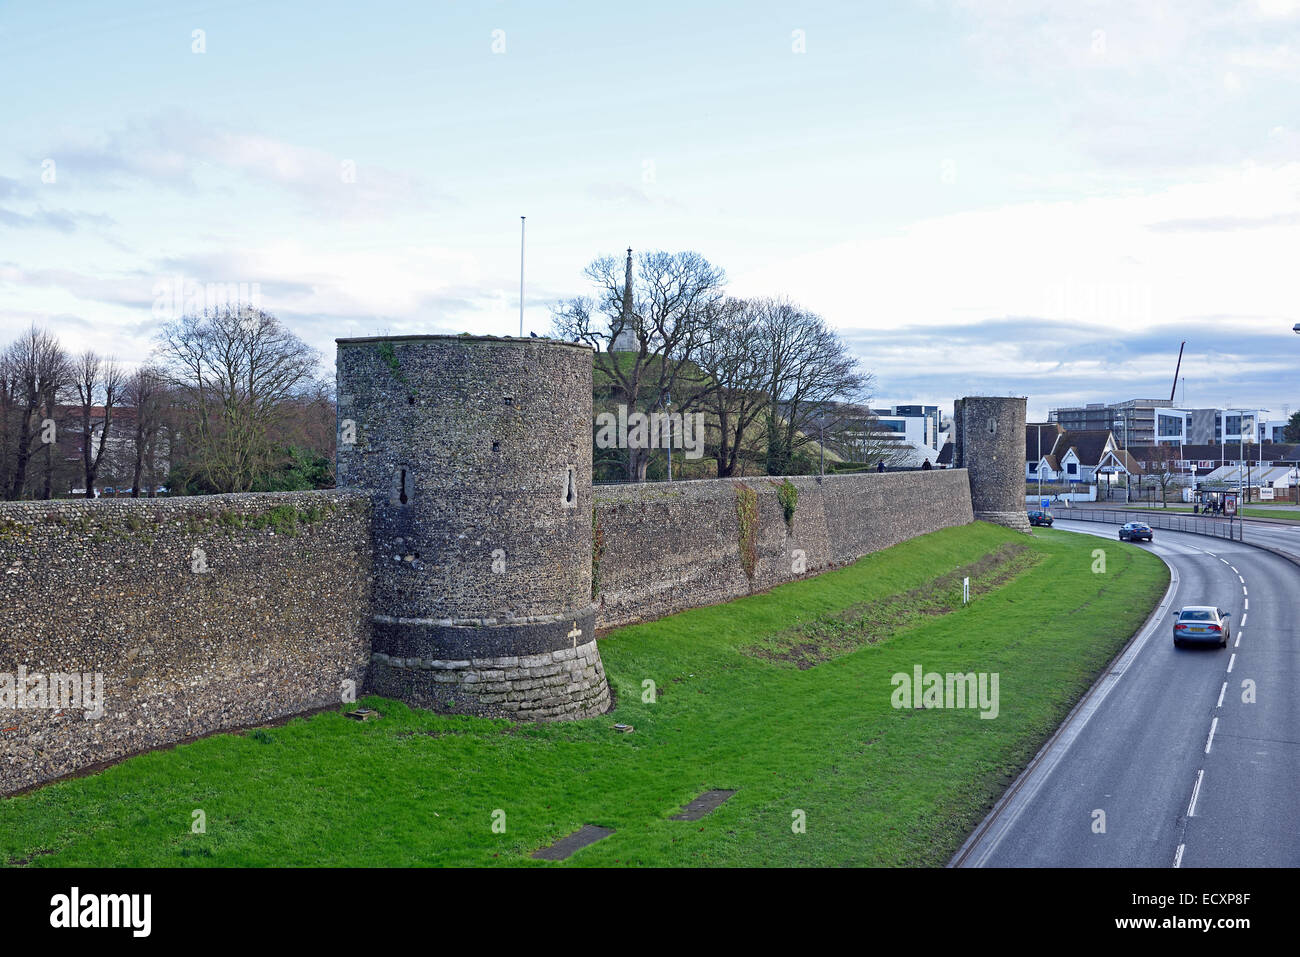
(1135, 532)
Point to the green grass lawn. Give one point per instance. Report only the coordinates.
(1286, 511)
(741, 704)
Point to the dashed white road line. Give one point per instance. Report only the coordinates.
(1196, 792)
(1226, 562)
(1178, 855)
(1221, 692)
(1232, 661)
(1210, 740)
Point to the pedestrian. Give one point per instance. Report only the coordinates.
(881, 466)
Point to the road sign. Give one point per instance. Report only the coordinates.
(1044, 503)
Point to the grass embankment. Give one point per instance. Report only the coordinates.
(783, 696)
(1285, 511)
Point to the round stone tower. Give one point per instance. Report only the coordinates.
(476, 451)
(989, 442)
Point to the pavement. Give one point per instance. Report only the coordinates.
(1176, 757)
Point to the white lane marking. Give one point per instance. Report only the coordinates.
(1210, 740)
(1178, 856)
(1196, 792)
(1226, 562)
(1247, 605)
(1240, 579)
(1243, 619)
(1232, 661)
(1237, 643)
(1221, 691)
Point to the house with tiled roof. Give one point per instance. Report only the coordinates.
(1040, 441)
(1073, 457)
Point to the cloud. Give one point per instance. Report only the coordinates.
(1151, 85)
(11, 188)
(1226, 223)
(60, 220)
(1060, 364)
(132, 291)
(182, 153)
(635, 197)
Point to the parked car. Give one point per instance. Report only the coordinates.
(1203, 623)
(1134, 532)
(1041, 518)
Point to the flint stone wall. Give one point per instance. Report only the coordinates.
(273, 627)
(663, 548)
(283, 616)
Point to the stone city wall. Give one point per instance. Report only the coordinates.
(663, 548)
(208, 613)
(196, 614)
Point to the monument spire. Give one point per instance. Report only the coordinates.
(624, 339)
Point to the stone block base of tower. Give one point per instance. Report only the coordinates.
(551, 686)
(1017, 520)
(533, 670)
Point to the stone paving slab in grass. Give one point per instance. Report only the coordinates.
(565, 846)
(702, 805)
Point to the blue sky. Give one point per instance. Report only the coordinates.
(982, 195)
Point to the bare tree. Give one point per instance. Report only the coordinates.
(1160, 470)
(236, 369)
(147, 393)
(808, 371)
(96, 380)
(851, 432)
(662, 315)
(36, 369)
(733, 358)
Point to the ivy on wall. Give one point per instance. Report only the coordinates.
(747, 519)
(389, 355)
(788, 495)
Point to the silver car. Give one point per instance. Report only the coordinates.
(1202, 623)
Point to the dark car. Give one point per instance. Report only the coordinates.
(1135, 532)
(1040, 518)
(1203, 623)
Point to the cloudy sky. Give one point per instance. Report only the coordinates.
(1018, 196)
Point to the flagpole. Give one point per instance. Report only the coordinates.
(521, 276)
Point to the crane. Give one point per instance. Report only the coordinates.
(1177, 368)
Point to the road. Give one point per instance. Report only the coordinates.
(1165, 763)
(1274, 534)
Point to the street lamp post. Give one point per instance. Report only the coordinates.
(821, 446)
(1127, 454)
